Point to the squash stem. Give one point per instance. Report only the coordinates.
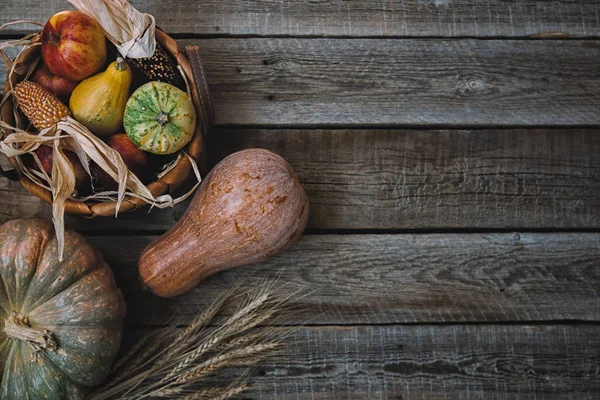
(162, 118)
(17, 327)
(120, 64)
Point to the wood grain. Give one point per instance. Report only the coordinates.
(415, 315)
(307, 82)
(437, 362)
(405, 179)
(403, 82)
(372, 279)
(477, 18)
(394, 362)
(410, 179)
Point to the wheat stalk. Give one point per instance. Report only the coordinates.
(173, 363)
(217, 393)
(168, 392)
(136, 363)
(222, 360)
(231, 326)
(199, 322)
(237, 342)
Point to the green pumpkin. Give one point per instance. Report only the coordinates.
(160, 118)
(60, 322)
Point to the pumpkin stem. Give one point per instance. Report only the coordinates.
(162, 118)
(17, 327)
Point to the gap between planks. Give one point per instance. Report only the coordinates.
(372, 18)
(191, 36)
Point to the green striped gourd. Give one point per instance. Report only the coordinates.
(159, 118)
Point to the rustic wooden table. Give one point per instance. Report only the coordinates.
(451, 153)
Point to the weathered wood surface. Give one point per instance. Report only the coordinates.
(307, 82)
(433, 362)
(437, 362)
(447, 18)
(401, 316)
(373, 279)
(406, 179)
(393, 82)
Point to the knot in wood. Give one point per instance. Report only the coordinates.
(473, 84)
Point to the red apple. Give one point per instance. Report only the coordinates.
(82, 178)
(135, 159)
(73, 45)
(61, 87)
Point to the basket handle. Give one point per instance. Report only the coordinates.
(201, 85)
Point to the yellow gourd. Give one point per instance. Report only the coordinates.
(99, 102)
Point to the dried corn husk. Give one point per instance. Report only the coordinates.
(70, 134)
(131, 31)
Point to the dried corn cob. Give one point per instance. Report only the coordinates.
(39, 105)
(159, 67)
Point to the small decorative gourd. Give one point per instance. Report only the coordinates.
(99, 102)
(60, 322)
(159, 118)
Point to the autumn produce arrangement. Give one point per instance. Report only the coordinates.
(160, 117)
(104, 114)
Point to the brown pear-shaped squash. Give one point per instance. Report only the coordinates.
(60, 322)
(250, 207)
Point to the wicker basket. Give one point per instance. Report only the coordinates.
(195, 76)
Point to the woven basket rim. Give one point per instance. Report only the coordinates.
(166, 184)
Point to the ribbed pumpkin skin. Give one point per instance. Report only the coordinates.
(75, 299)
(143, 109)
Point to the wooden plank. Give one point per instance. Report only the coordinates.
(399, 82)
(477, 18)
(410, 179)
(491, 362)
(405, 179)
(367, 279)
(307, 82)
(437, 362)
